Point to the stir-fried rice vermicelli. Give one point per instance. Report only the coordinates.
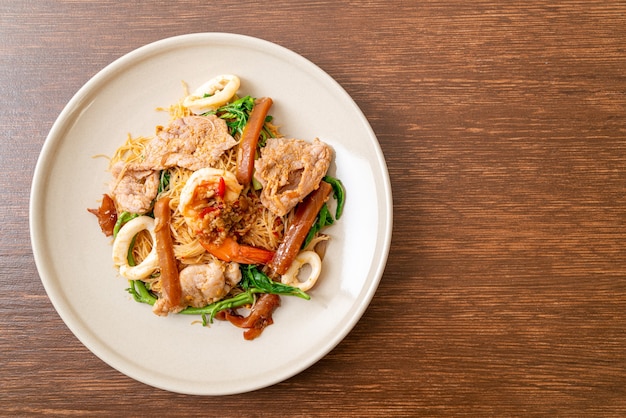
(214, 228)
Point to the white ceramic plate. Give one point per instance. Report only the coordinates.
(74, 258)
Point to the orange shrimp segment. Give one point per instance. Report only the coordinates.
(231, 250)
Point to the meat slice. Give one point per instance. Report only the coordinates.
(204, 284)
(134, 190)
(290, 169)
(192, 142)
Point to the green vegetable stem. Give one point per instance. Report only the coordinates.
(325, 218)
(253, 282)
(121, 220)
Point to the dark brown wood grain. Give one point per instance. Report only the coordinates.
(504, 129)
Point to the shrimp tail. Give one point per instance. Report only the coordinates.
(231, 250)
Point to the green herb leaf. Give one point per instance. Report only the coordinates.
(339, 192)
(235, 114)
(257, 281)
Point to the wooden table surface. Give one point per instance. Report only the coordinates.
(503, 125)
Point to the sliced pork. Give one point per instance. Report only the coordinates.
(192, 142)
(290, 169)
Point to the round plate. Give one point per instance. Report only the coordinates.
(73, 257)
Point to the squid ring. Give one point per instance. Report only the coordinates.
(121, 246)
(212, 94)
(291, 276)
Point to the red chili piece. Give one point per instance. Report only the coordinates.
(221, 187)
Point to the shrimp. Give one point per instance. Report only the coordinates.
(231, 250)
(203, 284)
(207, 190)
(206, 204)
